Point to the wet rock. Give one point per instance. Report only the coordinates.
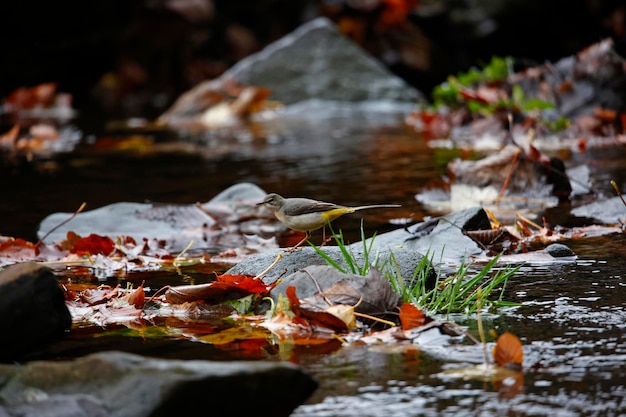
(610, 211)
(174, 224)
(559, 250)
(123, 384)
(316, 62)
(370, 294)
(292, 262)
(553, 254)
(32, 309)
(447, 242)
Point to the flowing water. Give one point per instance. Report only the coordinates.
(572, 316)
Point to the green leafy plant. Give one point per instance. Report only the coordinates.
(456, 91)
(449, 92)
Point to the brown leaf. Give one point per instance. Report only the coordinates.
(15, 250)
(313, 313)
(99, 295)
(137, 297)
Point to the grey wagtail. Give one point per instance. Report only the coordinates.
(306, 215)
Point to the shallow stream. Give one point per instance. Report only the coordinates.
(572, 315)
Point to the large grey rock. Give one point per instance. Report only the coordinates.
(317, 61)
(313, 64)
(127, 385)
(442, 239)
(32, 309)
(176, 225)
(292, 262)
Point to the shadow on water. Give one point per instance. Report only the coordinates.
(571, 318)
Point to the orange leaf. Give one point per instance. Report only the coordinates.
(411, 316)
(508, 351)
(17, 249)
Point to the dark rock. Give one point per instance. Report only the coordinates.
(371, 294)
(559, 250)
(123, 384)
(32, 309)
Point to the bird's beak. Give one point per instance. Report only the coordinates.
(260, 204)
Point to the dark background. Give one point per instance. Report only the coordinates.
(134, 57)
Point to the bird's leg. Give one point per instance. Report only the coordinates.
(297, 245)
(325, 240)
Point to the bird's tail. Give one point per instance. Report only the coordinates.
(375, 206)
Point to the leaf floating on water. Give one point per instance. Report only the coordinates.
(99, 295)
(508, 351)
(225, 287)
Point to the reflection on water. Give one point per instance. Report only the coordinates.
(571, 321)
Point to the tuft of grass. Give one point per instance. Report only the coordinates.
(465, 291)
(348, 256)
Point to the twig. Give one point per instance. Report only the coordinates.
(179, 256)
(367, 316)
(619, 193)
(530, 222)
(82, 206)
(507, 180)
(266, 270)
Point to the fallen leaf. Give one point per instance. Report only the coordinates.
(411, 316)
(508, 352)
(313, 312)
(99, 295)
(225, 287)
(345, 313)
(93, 245)
(136, 298)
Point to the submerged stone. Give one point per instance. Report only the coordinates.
(123, 384)
(32, 309)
